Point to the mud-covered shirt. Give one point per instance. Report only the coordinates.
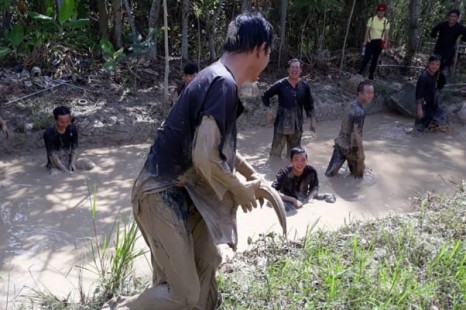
(299, 187)
(427, 88)
(212, 93)
(291, 102)
(353, 117)
(62, 145)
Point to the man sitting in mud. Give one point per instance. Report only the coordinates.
(61, 143)
(3, 128)
(298, 183)
(348, 145)
(429, 115)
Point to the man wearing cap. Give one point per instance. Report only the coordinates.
(375, 39)
(447, 33)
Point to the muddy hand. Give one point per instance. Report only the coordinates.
(269, 193)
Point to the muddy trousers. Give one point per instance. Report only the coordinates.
(280, 140)
(184, 256)
(339, 156)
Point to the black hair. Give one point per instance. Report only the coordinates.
(293, 61)
(248, 31)
(454, 11)
(362, 85)
(297, 150)
(61, 110)
(190, 69)
(434, 57)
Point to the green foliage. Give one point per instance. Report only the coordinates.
(111, 56)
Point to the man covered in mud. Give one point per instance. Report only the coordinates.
(61, 143)
(429, 115)
(348, 145)
(4, 129)
(186, 195)
(298, 183)
(294, 95)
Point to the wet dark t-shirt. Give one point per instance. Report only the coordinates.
(298, 187)
(212, 93)
(58, 143)
(291, 102)
(427, 87)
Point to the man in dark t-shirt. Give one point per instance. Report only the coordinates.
(298, 183)
(61, 143)
(447, 33)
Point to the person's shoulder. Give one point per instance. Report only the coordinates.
(48, 131)
(216, 72)
(311, 168)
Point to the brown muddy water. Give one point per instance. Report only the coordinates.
(46, 219)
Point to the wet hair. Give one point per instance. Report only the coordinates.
(190, 69)
(362, 85)
(435, 58)
(248, 31)
(61, 110)
(454, 11)
(297, 150)
(293, 61)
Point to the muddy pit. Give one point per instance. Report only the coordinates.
(45, 219)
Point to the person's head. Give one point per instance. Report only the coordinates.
(433, 64)
(294, 69)
(298, 159)
(381, 9)
(453, 17)
(365, 92)
(62, 116)
(251, 34)
(189, 73)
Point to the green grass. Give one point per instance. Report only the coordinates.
(413, 261)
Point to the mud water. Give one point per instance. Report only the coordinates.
(46, 219)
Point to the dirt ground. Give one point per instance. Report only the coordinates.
(46, 219)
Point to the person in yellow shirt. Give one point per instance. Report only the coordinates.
(375, 39)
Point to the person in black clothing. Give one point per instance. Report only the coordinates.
(298, 183)
(186, 196)
(348, 144)
(447, 33)
(189, 73)
(294, 95)
(61, 143)
(429, 115)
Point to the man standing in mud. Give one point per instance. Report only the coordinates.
(429, 115)
(294, 95)
(348, 145)
(186, 195)
(61, 143)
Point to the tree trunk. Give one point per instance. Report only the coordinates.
(184, 29)
(346, 35)
(103, 19)
(246, 6)
(129, 12)
(153, 31)
(167, 55)
(283, 9)
(117, 33)
(413, 33)
(212, 32)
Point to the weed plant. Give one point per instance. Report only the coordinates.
(412, 261)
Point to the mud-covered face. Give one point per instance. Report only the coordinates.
(294, 70)
(299, 162)
(62, 122)
(249, 95)
(366, 96)
(433, 66)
